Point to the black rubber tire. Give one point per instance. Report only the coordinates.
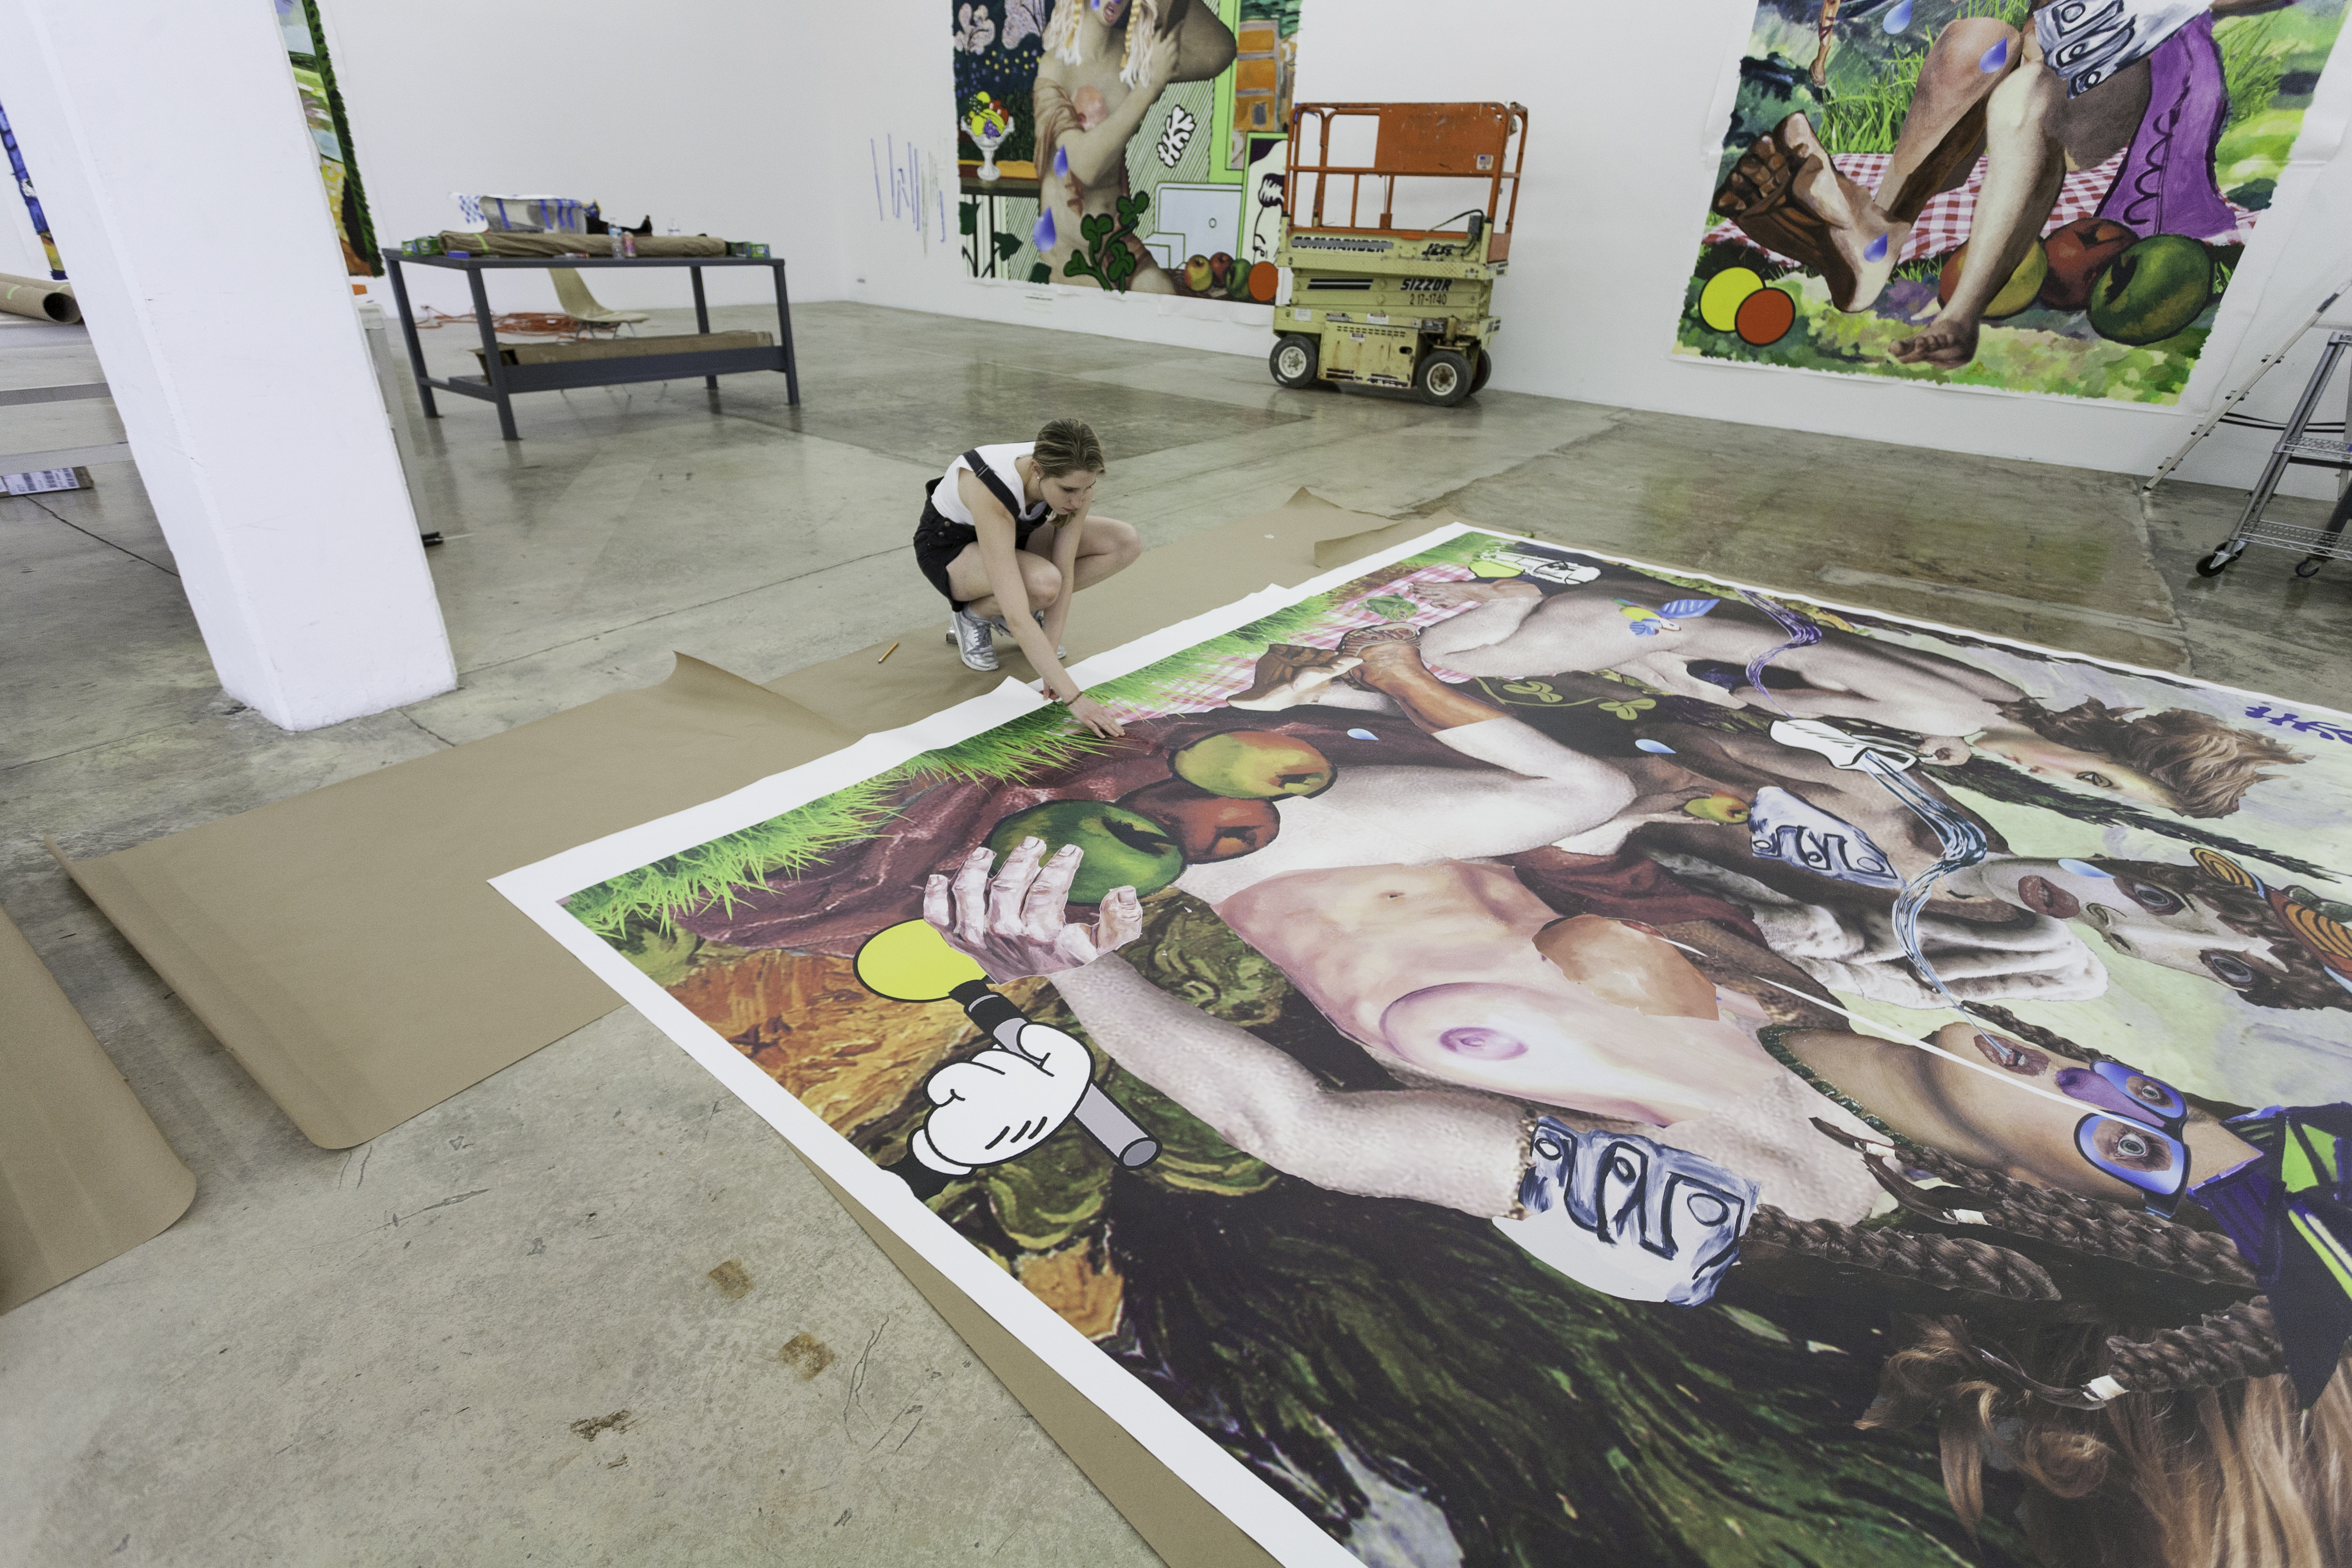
(2309, 565)
(1485, 368)
(1443, 377)
(2214, 565)
(1302, 352)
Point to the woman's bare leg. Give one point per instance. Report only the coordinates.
(2021, 179)
(1108, 547)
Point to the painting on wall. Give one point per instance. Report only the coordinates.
(1121, 144)
(323, 111)
(2033, 196)
(1519, 1058)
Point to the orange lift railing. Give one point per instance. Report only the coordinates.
(1444, 141)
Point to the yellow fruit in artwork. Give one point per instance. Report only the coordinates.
(1719, 301)
(2015, 295)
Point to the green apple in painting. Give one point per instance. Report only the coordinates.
(1123, 849)
(1253, 764)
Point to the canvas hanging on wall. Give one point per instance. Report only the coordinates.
(1517, 1055)
(2033, 196)
(1122, 144)
(323, 111)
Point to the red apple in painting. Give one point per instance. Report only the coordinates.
(1208, 827)
(2078, 254)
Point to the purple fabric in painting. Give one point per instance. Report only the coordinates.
(2167, 184)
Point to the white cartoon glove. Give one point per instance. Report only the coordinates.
(1003, 1102)
(1843, 751)
(1620, 1214)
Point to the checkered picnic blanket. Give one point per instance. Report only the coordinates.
(1213, 688)
(1944, 225)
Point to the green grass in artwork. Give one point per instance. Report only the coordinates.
(649, 897)
(789, 844)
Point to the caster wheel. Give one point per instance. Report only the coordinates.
(1294, 361)
(2309, 565)
(1444, 378)
(2214, 565)
(1485, 368)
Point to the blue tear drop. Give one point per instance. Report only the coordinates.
(1876, 251)
(1658, 747)
(1898, 18)
(1362, 735)
(1062, 163)
(1043, 236)
(1995, 58)
(2083, 868)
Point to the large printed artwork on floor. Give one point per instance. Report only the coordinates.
(1133, 145)
(1527, 1055)
(2037, 195)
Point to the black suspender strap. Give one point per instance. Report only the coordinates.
(1011, 503)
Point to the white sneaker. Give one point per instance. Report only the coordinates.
(974, 640)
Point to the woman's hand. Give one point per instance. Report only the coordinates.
(1158, 59)
(1090, 713)
(1014, 924)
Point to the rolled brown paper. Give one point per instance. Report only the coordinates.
(40, 298)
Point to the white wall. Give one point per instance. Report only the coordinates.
(1627, 107)
(707, 114)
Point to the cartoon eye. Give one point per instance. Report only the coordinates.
(2156, 901)
(2147, 1091)
(1547, 1147)
(1707, 1208)
(2129, 1145)
(2095, 779)
(2228, 969)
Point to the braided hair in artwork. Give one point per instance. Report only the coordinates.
(2142, 1443)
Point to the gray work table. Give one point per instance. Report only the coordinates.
(500, 381)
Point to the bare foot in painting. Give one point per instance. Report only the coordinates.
(1786, 194)
(1947, 344)
(1459, 596)
(1288, 674)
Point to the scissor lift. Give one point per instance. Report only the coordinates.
(1383, 306)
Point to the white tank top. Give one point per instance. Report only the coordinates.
(947, 500)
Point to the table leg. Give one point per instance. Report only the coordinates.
(702, 318)
(785, 326)
(408, 330)
(493, 367)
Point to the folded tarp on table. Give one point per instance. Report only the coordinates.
(84, 1175)
(505, 242)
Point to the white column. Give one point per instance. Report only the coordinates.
(184, 189)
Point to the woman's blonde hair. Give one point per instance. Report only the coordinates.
(1067, 446)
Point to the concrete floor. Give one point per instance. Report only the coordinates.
(399, 1355)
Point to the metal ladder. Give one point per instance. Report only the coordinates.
(2295, 446)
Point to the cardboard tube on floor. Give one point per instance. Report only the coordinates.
(84, 1175)
(38, 298)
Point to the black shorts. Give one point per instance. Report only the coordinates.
(938, 540)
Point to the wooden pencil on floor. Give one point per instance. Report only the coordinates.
(888, 652)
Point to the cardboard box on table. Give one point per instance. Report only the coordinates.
(346, 948)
